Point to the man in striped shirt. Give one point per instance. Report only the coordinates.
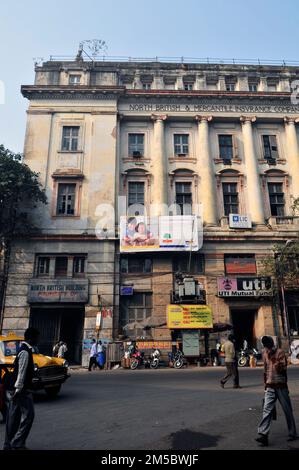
(276, 388)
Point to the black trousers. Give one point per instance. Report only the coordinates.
(231, 371)
(19, 420)
(93, 362)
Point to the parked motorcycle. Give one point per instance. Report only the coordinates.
(177, 359)
(244, 356)
(138, 360)
(155, 359)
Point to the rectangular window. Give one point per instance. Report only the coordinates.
(146, 86)
(134, 264)
(136, 145)
(188, 86)
(181, 144)
(74, 79)
(61, 263)
(270, 147)
(230, 198)
(66, 199)
(70, 137)
(240, 264)
(226, 148)
(43, 266)
(135, 310)
(183, 264)
(272, 86)
(79, 266)
(184, 197)
(276, 196)
(230, 87)
(253, 87)
(136, 195)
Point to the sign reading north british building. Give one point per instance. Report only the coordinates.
(244, 287)
(62, 290)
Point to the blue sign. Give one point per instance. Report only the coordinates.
(126, 290)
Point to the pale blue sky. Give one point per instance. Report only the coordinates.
(266, 29)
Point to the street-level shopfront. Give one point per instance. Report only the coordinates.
(189, 326)
(250, 301)
(57, 310)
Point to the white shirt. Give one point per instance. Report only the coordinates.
(93, 351)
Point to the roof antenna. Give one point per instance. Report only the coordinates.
(95, 47)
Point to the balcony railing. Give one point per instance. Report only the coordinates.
(284, 220)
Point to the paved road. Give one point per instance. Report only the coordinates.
(164, 409)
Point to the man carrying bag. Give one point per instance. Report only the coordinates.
(21, 408)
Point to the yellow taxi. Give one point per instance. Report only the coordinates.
(49, 372)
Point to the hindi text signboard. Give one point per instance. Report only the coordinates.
(189, 317)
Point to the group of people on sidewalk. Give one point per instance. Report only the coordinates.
(275, 381)
(97, 357)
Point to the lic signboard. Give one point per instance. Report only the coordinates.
(239, 221)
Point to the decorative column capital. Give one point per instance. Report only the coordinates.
(159, 117)
(291, 119)
(245, 119)
(200, 119)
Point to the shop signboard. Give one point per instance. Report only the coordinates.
(189, 317)
(164, 345)
(244, 287)
(165, 233)
(58, 290)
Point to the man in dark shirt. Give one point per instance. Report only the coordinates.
(21, 408)
(276, 388)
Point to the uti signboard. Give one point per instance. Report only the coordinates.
(189, 317)
(244, 287)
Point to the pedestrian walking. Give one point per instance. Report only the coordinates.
(231, 362)
(100, 355)
(276, 388)
(93, 356)
(60, 349)
(20, 414)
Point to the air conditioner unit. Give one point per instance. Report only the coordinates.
(137, 154)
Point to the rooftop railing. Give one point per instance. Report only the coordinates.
(182, 60)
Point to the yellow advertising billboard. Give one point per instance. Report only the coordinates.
(189, 317)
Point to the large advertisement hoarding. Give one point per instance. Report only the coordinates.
(164, 233)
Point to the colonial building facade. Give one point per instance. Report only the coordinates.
(216, 141)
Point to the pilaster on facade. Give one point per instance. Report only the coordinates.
(293, 151)
(255, 203)
(205, 170)
(159, 168)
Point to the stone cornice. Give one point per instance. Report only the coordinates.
(66, 92)
(212, 93)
